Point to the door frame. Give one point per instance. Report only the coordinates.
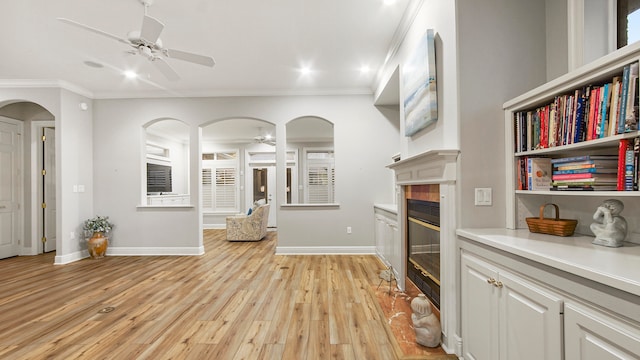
(248, 170)
(36, 186)
(19, 222)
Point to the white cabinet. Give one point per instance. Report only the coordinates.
(593, 335)
(505, 316)
(387, 238)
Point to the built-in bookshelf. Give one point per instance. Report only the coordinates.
(576, 114)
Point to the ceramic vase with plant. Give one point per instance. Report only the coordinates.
(99, 227)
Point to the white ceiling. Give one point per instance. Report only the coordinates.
(258, 45)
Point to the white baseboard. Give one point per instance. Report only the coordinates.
(214, 226)
(154, 251)
(69, 258)
(325, 250)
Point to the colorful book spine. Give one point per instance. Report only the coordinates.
(584, 176)
(629, 168)
(582, 158)
(591, 170)
(623, 102)
(603, 111)
(631, 120)
(622, 151)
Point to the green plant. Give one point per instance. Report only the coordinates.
(98, 224)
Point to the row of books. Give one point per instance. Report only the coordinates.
(592, 112)
(612, 172)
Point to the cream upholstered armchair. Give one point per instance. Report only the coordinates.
(252, 227)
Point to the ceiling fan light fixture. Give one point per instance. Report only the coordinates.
(130, 74)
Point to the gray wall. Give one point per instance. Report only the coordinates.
(74, 162)
(364, 143)
(502, 54)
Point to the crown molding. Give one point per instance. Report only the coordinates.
(232, 93)
(45, 83)
(406, 22)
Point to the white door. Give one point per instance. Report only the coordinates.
(263, 186)
(10, 185)
(49, 180)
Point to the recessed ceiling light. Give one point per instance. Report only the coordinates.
(364, 69)
(305, 70)
(130, 74)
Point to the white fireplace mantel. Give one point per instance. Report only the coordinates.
(434, 167)
(429, 167)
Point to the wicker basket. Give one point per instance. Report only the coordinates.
(557, 226)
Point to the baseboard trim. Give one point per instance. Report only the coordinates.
(155, 251)
(69, 258)
(325, 250)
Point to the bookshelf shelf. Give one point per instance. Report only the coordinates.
(609, 142)
(580, 193)
(574, 204)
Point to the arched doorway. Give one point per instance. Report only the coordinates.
(28, 195)
(238, 168)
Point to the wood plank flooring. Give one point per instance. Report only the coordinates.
(238, 301)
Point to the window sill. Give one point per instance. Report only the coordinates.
(310, 206)
(182, 206)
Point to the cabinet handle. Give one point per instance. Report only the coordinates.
(491, 281)
(498, 284)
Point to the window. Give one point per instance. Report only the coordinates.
(320, 177)
(628, 22)
(310, 161)
(158, 178)
(165, 170)
(220, 182)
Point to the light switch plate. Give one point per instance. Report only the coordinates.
(483, 196)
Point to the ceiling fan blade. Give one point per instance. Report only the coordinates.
(97, 31)
(151, 29)
(191, 57)
(165, 69)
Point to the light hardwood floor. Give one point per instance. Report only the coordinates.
(238, 301)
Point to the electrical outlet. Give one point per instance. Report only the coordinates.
(348, 229)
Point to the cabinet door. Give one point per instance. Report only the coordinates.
(530, 320)
(591, 335)
(479, 309)
(381, 229)
(395, 246)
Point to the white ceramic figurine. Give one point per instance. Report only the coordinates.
(611, 228)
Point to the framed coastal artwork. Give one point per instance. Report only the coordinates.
(419, 86)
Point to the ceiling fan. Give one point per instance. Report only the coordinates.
(146, 42)
(264, 139)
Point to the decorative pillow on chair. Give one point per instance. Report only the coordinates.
(250, 211)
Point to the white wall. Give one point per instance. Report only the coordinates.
(364, 143)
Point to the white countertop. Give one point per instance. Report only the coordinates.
(615, 267)
(392, 208)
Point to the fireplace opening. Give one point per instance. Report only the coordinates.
(423, 239)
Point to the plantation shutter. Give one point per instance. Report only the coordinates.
(207, 190)
(225, 191)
